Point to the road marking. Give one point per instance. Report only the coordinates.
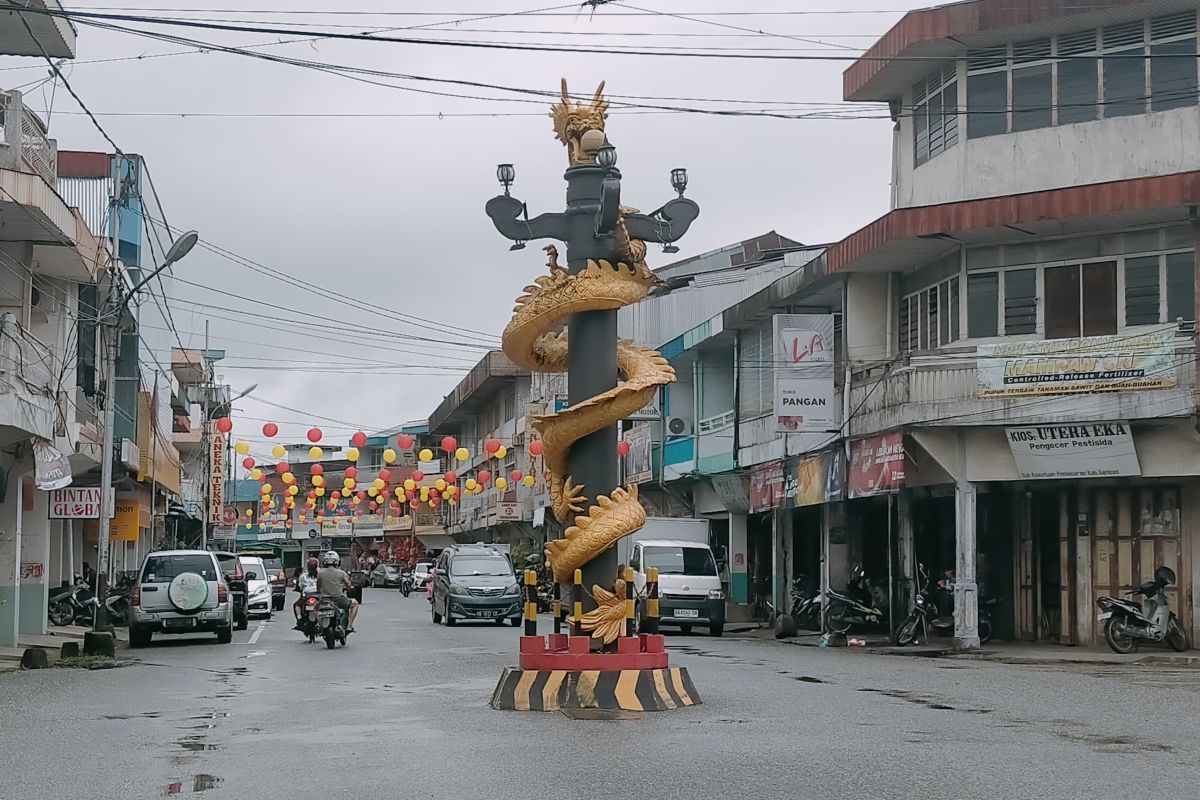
(257, 633)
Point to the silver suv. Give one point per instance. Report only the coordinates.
(180, 591)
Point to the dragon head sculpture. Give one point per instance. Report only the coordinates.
(572, 120)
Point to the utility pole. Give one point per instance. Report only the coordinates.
(204, 439)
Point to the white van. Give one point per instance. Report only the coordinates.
(689, 586)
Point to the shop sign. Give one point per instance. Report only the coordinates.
(733, 491)
(637, 466)
(805, 398)
(1090, 450)
(397, 522)
(508, 512)
(766, 486)
(818, 478)
(1085, 364)
(75, 503)
(216, 479)
(877, 464)
(124, 525)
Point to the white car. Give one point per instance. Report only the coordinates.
(180, 591)
(421, 575)
(258, 586)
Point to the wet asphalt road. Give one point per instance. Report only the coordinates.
(402, 713)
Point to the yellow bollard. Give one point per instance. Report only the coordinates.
(629, 601)
(577, 604)
(650, 621)
(530, 603)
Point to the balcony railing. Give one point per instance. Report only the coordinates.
(27, 380)
(28, 147)
(943, 389)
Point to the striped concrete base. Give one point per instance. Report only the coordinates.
(626, 690)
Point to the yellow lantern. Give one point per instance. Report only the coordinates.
(278, 451)
(462, 454)
(266, 489)
(293, 490)
(529, 480)
(389, 456)
(399, 491)
(501, 483)
(452, 501)
(349, 483)
(424, 492)
(440, 484)
(241, 448)
(410, 484)
(502, 452)
(288, 478)
(249, 512)
(373, 491)
(401, 499)
(315, 453)
(425, 455)
(378, 484)
(256, 474)
(452, 490)
(352, 454)
(318, 480)
(471, 484)
(319, 491)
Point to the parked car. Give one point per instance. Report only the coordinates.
(277, 576)
(235, 576)
(258, 586)
(421, 574)
(180, 591)
(475, 582)
(385, 575)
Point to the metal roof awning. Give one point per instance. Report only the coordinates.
(435, 541)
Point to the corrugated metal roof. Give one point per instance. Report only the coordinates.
(92, 197)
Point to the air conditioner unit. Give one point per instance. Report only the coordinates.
(678, 426)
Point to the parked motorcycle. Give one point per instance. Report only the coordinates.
(309, 622)
(333, 622)
(1126, 625)
(933, 612)
(117, 601)
(852, 607)
(71, 604)
(806, 606)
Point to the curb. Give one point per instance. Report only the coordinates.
(611, 690)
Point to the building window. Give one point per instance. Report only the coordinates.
(1181, 286)
(1142, 290)
(1114, 71)
(1081, 300)
(983, 298)
(930, 318)
(935, 114)
(1020, 301)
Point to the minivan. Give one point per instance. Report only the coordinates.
(689, 586)
(475, 582)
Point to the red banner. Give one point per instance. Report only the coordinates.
(877, 464)
(766, 486)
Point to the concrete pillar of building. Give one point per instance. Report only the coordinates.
(906, 554)
(10, 563)
(35, 564)
(1081, 528)
(966, 592)
(784, 547)
(739, 578)
(835, 552)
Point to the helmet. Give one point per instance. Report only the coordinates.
(331, 559)
(311, 563)
(1164, 576)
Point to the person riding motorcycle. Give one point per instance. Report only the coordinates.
(332, 583)
(306, 584)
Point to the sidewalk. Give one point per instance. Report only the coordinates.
(53, 640)
(1027, 653)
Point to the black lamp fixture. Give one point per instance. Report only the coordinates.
(607, 156)
(679, 180)
(506, 175)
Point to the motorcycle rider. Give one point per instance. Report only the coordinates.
(306, 584)
(332, 583)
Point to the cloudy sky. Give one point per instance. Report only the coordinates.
(372, 195)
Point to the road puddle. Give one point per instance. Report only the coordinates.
(201, 782)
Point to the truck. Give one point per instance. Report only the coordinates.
(689, 585)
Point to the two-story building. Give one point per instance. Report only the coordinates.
(1037, 355)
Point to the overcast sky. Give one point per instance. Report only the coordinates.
(390, 210)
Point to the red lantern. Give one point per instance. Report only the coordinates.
(410, 493)
(484, 476)
(351, 472)
(248, 462)
(224, 424)
(359, 439)
(536, 448)
(314, 435)
(316, 469)
(282, 467)
(622, 448)
(270, 429)
(374, 505)
(311, 494)
(516, 475)
(362, 495)
(337, 495)
(404, 441)
(418, 476)
(492, 445)
(451, 476)
(385, 474)
(434, 502)
(449, 444)
(395, 504)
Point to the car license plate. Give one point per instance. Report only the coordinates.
(487, 613)
(687, 612)
(180, 622)
(1104, 616)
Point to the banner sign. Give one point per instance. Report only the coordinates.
(637, 465)
(818, 478)
(1086, 364)
(126, 520)
(75, 503)
(733, 491)
(216, 479)
(805, 398)
(51, 468)
(877, 464)
(766, 486)
(1092, 450)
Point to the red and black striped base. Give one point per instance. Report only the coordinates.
(626, 689)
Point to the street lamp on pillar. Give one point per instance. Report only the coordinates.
(506, 175)
(679, 180)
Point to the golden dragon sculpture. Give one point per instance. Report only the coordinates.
(533, 339)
